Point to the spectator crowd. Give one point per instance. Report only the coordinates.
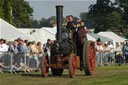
(106, 55)
(26, 55)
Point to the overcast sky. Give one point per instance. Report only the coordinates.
(46, 8)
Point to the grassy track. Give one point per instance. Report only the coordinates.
(111, 75)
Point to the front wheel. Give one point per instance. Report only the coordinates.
(44, 68)
(72, 65)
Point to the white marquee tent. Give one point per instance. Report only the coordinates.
(112, 36)
(103, 39)
(116, 39)
(91, 38)
(40, 34)
(10, 33)
(44, 33)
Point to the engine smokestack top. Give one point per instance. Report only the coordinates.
(59, 18)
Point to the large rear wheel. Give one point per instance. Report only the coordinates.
(72, 65)
(89, 58)
(44, 68)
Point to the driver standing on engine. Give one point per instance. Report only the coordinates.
(81, 37)
(71, 25)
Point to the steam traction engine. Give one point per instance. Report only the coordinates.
(64, 52)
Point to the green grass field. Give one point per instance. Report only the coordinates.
(110, 75)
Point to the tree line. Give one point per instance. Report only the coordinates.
(102, 16)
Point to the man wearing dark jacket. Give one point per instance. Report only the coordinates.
(71, 25)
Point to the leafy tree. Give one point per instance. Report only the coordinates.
(89, 21)
(35, 23)
(46, 22)
(7, 11)
(123, 5)
(99, 12)
(21, 12)
(114, 20)
(16, 12)
(1, 9)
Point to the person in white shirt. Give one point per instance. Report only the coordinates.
(3, 50)
(110, 45)
(5, 46)
(106, 53)
(111, 53)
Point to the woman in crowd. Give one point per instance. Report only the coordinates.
(34, 62)
(13, 49)
(99, 53)
(106, 53)
(39, 47)
(111, 53)
(40, 54)
(126, 52)
(119, 58)
(28, 53)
